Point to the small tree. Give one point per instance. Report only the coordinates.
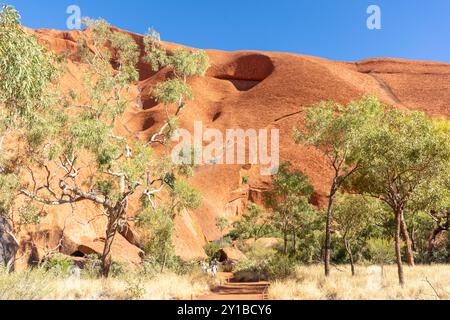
(288, 202)
(176, 91)
(406, 151)
(433, 199)
(26, 71)
(253, 224)
(353, 214)
(80, 154)
(222, 223)
(335, 130)
(381, 251)
(157, 223)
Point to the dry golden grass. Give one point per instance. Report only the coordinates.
(309, 283)
(38, 285)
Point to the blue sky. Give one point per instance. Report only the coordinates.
(335, 29)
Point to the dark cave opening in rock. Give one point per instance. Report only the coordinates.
(78, 254)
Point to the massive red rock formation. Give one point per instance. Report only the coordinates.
(245, 89)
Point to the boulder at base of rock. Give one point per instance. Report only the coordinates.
(231, 254)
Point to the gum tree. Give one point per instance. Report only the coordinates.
(354, 214)
(253, 224)
(181, 64)
(407, 151)
(81, 156)
(288, 202)
(335, 130)
(26, 70)
(222, 223)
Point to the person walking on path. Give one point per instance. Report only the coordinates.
(214, 267)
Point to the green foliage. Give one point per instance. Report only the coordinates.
(356, 214)
(30, 215)
(337, 131)
(90, 133)
(222, 223)
(187, 64)
(381, 251)
(288, 201)
(156, 55)
(9, 184)
(43, 127)
(212, 250)
(265, 264)
(157, 231)
(58, 264)
(183, 62)
(433, 195)
(134, 167)
(253, 224)
(184, 196)
(134, 289)
(26, 69)
(93, 265)
(173, 91)
(403, 150)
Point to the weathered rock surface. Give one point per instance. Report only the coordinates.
(241, 90)
(8, 245)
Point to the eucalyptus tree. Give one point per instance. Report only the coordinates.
(253, 223)
(26, 70)
(335, 130)
(157, 223)
(289, 202)
(354, 215)
(222, 223)
(181, 64)
(433, 199)
(407, 151)
(74, 145)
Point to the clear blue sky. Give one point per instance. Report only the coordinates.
(335, 29)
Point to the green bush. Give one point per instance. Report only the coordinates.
(58, 263)
(265, 264)
(93, 265)
(212, 250)
(152, 267)
(381, 251)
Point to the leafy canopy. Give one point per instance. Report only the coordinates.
(26, 69)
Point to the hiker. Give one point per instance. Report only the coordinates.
(204, 266)
(214, 266)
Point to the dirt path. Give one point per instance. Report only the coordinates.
(230, 290)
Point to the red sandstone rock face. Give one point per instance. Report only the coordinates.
(245, 90)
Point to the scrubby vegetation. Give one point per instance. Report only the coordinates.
(309, 283)
(72, 141)
(39, 284)
(388, 198)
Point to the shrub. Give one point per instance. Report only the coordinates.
(152, 266)
(135, 289)
(212, 250)
(93, 266)
(265, 264)
(58, 263)
(381, 251)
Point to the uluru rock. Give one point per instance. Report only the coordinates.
(245, 89)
